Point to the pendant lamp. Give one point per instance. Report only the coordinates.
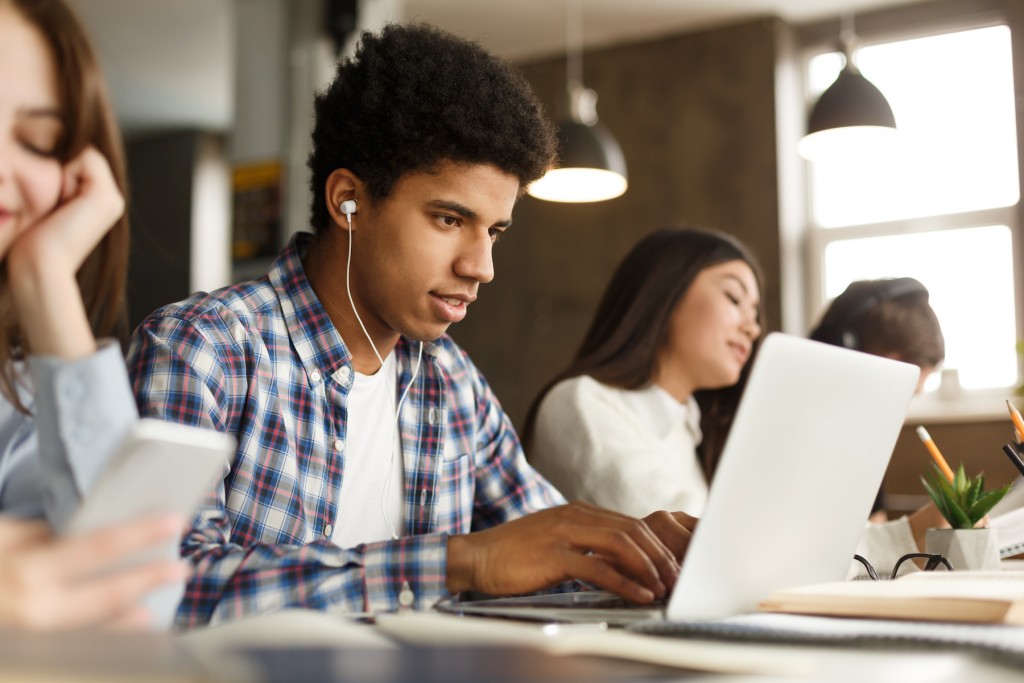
(852, 117)
(591, 167)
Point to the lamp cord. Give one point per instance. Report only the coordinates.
(573, 46)
(847, 39)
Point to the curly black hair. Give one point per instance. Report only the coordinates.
(413, 96)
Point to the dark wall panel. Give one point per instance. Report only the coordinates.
(160, 171)
(695, 117)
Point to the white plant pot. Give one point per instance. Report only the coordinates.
(966, 549)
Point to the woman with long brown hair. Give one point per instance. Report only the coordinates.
(67, 402)
(637, 421)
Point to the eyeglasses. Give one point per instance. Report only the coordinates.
(932, 563)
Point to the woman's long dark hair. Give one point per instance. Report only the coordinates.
(630, 325)
(88, 119)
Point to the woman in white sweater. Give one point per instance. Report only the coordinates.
(637, 421)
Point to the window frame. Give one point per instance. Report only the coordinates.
(893, 25)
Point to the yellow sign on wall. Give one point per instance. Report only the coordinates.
(256, 222)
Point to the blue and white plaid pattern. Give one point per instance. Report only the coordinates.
(262, 361)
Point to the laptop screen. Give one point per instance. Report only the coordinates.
(806, 454)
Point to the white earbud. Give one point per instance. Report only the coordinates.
(348, 208)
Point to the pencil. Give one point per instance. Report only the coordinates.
(934, 450)
(1018, 422)
(1014, 458)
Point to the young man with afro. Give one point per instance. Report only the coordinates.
(375, 468)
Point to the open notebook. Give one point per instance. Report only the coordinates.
(800, 469)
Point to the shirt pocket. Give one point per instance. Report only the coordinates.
(455, 488)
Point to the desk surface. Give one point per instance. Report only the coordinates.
(331, 649)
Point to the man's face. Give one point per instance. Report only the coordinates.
(420, 255)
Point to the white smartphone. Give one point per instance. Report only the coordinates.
(161, 468)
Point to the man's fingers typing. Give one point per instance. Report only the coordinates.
(598, 571)
(673, 529)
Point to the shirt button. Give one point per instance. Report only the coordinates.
(339, 445)
(344, 374)
(406, 598)
(314, 377)
(328, 530)
(432, 416)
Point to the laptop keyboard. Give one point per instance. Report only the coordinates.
(603, 600)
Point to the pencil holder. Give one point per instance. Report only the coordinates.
(966, 549)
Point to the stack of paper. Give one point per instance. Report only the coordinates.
(1009, 532)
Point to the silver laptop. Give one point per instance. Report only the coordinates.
(799, 472)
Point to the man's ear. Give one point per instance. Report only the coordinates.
(341, 186)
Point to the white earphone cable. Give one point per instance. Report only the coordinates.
(398, 432)
(348, 290)
(397, 410)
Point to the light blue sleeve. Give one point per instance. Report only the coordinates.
(83, 410)
(21, 481)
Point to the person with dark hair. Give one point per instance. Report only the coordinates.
(375, 469)
(637, 421)
(66, 402)
(892, 318)
(888, 317)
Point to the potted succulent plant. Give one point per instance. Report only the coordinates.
(963, 502)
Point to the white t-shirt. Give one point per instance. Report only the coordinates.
(632, 451)
(373, 448)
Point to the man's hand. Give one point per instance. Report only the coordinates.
(673, 529)
(49, 583)
(575, 541)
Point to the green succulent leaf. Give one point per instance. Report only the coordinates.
(986, 502)
(964, 501)
(959, 518)
(974, 492)
(960, 482)
(946, 488)
(948, 500)
(941, 501)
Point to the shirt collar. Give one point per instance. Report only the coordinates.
(317, 341)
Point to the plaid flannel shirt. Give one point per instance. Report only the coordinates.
(262, 361)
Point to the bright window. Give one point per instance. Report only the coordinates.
(940, 205)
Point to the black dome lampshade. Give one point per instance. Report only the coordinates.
(591, 166)
(851, 117)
